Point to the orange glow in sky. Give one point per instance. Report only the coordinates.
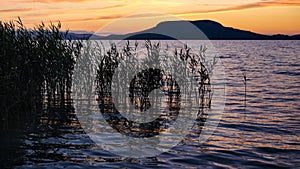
(261, 16)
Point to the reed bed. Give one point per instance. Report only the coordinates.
(194, 64)
(36, 67)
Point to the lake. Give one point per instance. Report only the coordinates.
(263, 132)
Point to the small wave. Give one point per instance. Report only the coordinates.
(288, 73)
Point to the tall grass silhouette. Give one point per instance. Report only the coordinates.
(194, 64)
(35, 68)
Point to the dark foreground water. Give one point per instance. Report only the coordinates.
(264, 134)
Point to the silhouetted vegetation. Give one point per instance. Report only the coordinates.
(37, 67)
(245, 86)
(35, 70)
(149, 79)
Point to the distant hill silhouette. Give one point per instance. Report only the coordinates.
(213, 31)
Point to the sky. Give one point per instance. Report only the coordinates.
(260, 16)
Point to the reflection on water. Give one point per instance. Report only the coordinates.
(140, 87)
(263, 134)
(130, 90)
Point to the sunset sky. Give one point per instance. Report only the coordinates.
(261, 16)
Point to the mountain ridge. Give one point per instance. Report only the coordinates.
(170, 30)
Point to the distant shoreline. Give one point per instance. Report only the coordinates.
(211, 29)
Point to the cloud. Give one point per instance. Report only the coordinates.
(145, 15)
(248, 6)
(55, 1)
(268, 3)
(94, 18)
(15, 10)
(107, 7)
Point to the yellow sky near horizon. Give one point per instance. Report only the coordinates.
(261, 16)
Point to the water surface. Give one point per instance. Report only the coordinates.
(264, 133)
